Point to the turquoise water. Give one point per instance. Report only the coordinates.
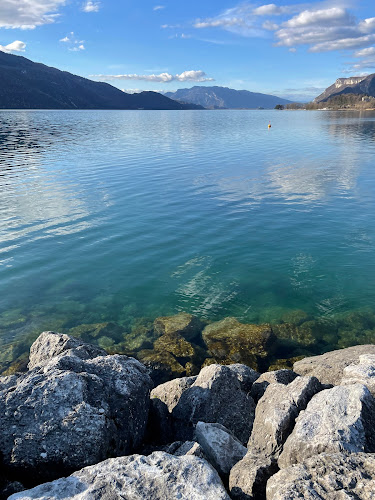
(118, 215)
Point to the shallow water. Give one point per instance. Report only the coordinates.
(118, 215)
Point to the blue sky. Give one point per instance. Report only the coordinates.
(292, 49)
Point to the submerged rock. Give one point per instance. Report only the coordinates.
(184, 324)
(230, 341)
(68, 411)
(220, 447)
(159, 476)
(93, 332)
(215, 396)
(335, 420)
(326, 476)
(329, 367)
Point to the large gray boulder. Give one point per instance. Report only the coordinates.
(170, 392)
(216, 396)
(71, 412)
(220, 447)
(276, 413)
(50, 344)
(278, 376)
(246, 375)
(361, 373)
(329, 367)
(335, 420)
(326, 476)
(159, 476)
(249, 477)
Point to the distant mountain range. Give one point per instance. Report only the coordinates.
(25, 84)
(225, 98)
(361, 85)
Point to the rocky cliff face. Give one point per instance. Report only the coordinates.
(361, 85)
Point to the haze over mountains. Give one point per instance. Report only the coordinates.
(225, 98)
(360, 85)
(25, 84)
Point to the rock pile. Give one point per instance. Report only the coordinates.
(227, 432)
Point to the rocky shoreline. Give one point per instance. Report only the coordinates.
(84, 424)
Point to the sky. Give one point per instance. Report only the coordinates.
(292, 49)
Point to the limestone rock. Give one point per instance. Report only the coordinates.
(190, 448)
(326, 476)
(335, 420)
(221, 448)
(159, 476)
(216, 396)
(329, 367)
(248, 477)
(230, 341)
(361, 373)
(245, 375)
(71, 412)
(170, 392)
(50, 344)
(184, 324)
(276, 413)
(279, 376)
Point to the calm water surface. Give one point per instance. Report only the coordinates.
(112, 216)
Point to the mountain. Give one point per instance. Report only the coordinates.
(361, 85)
(224, 98)
(25, 84)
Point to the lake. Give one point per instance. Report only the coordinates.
(124, 216)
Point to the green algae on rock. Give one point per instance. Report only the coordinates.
(185, 324)
(230, 341)
(92, 332)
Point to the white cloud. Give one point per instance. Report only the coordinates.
(270, 26)
(270, 10)
(16, 46)
(74, 43)
(91, 6)
(369, 51)
(324, 16)
(27, 14)
(343, 44)
(186, 76)
(159, 7)
(77, 48)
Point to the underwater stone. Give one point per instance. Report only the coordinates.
(175, 344)
(92, 332)
(184, 324)
(230, 341)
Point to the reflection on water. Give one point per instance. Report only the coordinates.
(113, 216)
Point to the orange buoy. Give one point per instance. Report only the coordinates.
(269, 125)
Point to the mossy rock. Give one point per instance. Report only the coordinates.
(174, 344)
(184, 324)
(282, 364)
(348, 338)
(230, 341)
(92, 332)
(163, 365)
(142, 336)
(13, 318)
(300, 334)
(19, 365)
(295, 317)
